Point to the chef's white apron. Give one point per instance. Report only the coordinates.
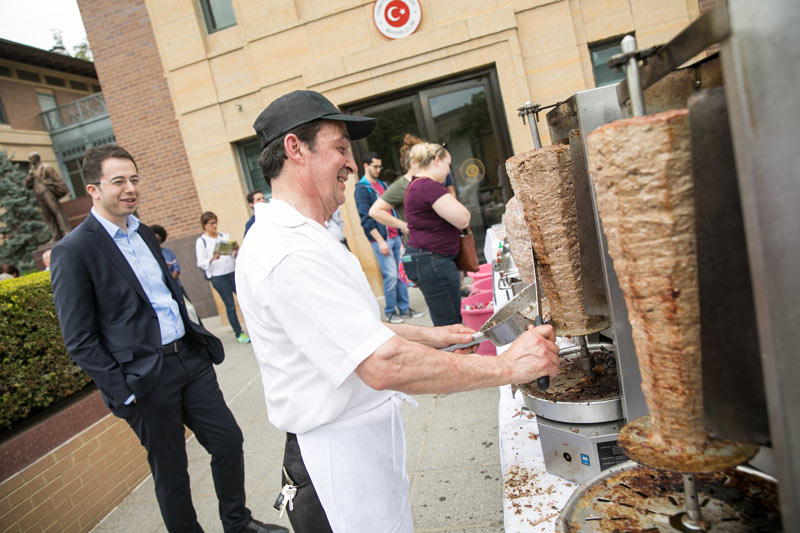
(358, 468)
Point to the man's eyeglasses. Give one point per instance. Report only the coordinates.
(119, 181)
(377, 166)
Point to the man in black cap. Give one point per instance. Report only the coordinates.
(333, 372)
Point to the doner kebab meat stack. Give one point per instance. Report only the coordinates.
(542, 180)
(641, 170)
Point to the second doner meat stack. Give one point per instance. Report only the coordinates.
(641, 168)
(543, 184)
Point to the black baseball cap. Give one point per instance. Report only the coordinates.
(300, 107)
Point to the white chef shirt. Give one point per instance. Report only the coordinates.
(312, 319)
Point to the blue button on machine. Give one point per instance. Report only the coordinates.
(584, 459)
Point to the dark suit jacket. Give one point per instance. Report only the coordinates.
(109, 326)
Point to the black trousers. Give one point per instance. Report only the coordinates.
(308, 516)
(187, 393)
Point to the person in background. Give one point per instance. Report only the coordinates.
(46, 260)
(388, 209)
(8, 271)
(435, 220)
(169, 255)
(385, 242)
(254, 197)
(335, 226)
(125, 324)
(391, 202)
(218, 268)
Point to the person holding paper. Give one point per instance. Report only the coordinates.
(215, 256)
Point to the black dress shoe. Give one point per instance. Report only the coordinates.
(254, 526)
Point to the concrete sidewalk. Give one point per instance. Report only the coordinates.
(452, 447)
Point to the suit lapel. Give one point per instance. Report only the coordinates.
(109, 248)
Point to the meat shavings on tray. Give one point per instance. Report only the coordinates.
(571, 385)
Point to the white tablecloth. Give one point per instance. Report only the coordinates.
(532, 498)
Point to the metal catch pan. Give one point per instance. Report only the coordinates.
(631, 497)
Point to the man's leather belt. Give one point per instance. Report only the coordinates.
(173, 347)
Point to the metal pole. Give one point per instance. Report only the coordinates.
(632, 76)
(692, 520)
(530, 112)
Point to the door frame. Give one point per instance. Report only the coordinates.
(494, 99)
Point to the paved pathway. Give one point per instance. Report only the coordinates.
(452, 442)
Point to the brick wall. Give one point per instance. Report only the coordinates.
(77, 484)
(21, 105)
(142, 115)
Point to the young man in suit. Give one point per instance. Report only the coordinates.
(125, 324)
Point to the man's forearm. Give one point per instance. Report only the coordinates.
(417, 369)
(421, 334)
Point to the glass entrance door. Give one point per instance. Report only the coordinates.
(460, 117)
(466, 116)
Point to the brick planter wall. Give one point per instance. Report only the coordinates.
(75, 485)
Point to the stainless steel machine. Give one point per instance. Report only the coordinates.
(579, 418)
(747, 234)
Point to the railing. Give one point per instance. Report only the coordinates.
(74, 112)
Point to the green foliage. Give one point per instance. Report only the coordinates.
(82, 51)
(21, 225)
(35, 369)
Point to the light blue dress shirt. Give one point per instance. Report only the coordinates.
(149, 274)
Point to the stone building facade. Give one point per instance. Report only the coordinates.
(184, 84)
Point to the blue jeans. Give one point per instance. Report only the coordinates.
(394, 291)
(225, 286)
(440, 283)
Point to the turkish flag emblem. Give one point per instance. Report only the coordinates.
(396, 19)
(397, 13)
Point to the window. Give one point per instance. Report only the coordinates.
(79, 85)
(601, 53)
(51, 120)
(3, 117)
(5, 71)
(75, 176)
(52, 80)
(27, 75)
(248, 156)
(218, 14)
(96, 88)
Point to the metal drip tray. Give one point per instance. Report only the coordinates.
(570, 400)
(630, 497)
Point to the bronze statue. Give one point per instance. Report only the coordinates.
(48, 187)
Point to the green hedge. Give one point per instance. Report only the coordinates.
(35, 369)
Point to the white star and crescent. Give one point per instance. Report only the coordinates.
(394, 18)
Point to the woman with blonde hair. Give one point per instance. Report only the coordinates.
(435, 219)
(391, 202)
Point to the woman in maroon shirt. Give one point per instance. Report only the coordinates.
(435, 219)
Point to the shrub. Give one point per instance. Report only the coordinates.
(21, 224)
(35, 369)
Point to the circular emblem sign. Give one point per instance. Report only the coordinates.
(396, 19)
(472, 170)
